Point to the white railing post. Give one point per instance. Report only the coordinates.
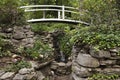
(59, 14)
(44, 14)
(63, 12)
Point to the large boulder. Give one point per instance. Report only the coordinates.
(18, 35)
(100, 53)
(7, 75)
(81, 72)
(87, 61)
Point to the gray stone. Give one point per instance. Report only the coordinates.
(34, 64)
(18, 35)
(30, 34)
(20, 77)
(27, 27)
(69, 64)
(75, 77)
(81, 72)
(30, 40)
(8, 30)
(107, 62)
(25, 71)
(54, 66)
(29, 45)
(87, 61)
(114, 50)
(116, 66)
(40, 75)
(100, 54)
(31, 76)
(1, 72)
(111, 71)
(61, 64)
(7, 75)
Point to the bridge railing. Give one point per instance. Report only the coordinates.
(44, 8)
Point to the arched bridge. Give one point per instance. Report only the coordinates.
(60, 11)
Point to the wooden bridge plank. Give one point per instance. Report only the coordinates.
(56, 20)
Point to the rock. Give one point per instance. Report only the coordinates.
(27, 27)
(7, 75)
(16, 58)
(28, 40)
(8, 30)
(81, 72)
(87, 61)
(40, 75)
(18, 35)
(29, 46)
(68, 64)
(20, 77)
(116, 66)
(107, 62)
(75, 77)
(1, 72)
(31, 76)
(61, 64)
(34, 64)
(25, 71)
(111, 71)
(114, 51)
(100, 54)
(54, 66)
(29, 34)
(16, 42)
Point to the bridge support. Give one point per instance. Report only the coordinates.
(58, 14)
(63, 12)
(44, 14)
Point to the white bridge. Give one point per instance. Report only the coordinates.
(60, 10)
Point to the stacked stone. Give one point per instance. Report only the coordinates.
(23, 74)
(18, 36)
(87, 62)
(23, 36)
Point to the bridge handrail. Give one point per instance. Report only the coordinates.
(32, 10)
(34, 6)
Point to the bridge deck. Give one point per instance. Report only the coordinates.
(56, 20)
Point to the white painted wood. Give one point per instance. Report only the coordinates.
(34, 6)
(59, 14)
(59, 9)
(44, 14)
(63, 12)
(56, 20)
(32, 10)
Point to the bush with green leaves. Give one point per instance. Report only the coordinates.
(5, 48)
(100, 11)
(39, 48)
(14, 67)
(100, 76)
(101, 37)
(10, 13)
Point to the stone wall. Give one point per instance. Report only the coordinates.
(18, 36)
(88, 61)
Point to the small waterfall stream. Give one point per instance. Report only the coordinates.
(62, 57)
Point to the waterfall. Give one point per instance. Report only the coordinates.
(62, 57)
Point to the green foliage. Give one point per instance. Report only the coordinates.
(39, 48)
(5, 48)
(104, 77)
(14, 67)
(102, 37)
(10, 13)
(100, 11)
(63, 39)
